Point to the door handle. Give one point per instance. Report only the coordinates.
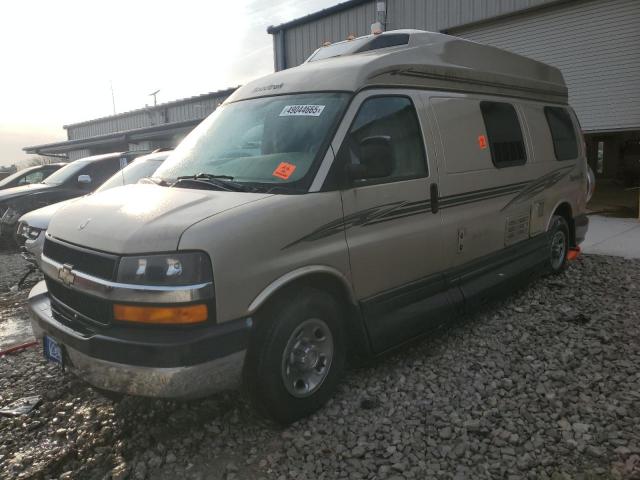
(434, 198)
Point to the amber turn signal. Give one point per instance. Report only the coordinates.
(161, 315)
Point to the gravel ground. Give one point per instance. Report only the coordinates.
(542, 385)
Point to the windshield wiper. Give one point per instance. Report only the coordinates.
(155, 180)
(223, 182)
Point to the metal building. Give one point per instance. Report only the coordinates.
(149, 128)
(595, 43)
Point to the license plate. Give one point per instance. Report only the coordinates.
(52, 350)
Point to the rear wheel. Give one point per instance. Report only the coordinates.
(558, 244)
(297, 355)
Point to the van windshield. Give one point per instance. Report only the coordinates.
(273, 140)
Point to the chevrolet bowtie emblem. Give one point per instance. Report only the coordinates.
(66, 275)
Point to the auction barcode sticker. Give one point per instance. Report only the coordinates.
(302, 111)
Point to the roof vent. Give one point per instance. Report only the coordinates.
(385, 41)
(359, 45)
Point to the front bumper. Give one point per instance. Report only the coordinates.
(176, 366)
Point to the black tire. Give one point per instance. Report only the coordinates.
(559, 242)
(265, 365)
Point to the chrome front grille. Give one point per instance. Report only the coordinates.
(98, 264)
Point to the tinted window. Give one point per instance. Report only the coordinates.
(65, 173)
(562, 133)
(101, 170)
(34, 177)
(504, 134)
(393, 117)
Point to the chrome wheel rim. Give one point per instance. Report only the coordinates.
(306, 359)
(558, 249)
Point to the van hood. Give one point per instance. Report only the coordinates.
(140, 218)
(9, 193)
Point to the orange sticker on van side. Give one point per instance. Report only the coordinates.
(482, 142)
(284, 170)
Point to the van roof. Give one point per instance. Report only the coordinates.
(414, 59)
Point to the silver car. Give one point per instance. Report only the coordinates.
(334, 210)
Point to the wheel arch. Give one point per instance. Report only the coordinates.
(314, 275)
(327, 279)
(564, 209)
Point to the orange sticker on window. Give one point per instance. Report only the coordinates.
(284, 170)
(482, 142)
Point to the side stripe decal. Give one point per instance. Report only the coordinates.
(396, 210)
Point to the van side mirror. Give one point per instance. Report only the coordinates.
(84, 180)
(376, 159)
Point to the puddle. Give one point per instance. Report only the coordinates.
(14, 331)
(15, 327)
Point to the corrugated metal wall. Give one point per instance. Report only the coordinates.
(301, 41)
(596, 44)
(180, 111)
(435, 15)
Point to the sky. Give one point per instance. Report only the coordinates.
(60, 58)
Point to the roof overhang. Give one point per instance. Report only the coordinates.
(146, 133)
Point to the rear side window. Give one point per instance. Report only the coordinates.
(563, 134)
(394, 117)
(504, 134)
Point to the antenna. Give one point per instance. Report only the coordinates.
(113, 98)
(154, 94)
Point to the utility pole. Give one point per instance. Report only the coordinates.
(113, 98)
(154, 94)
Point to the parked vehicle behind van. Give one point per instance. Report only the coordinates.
(73, 180)
(31, 226)
(30, 175)
(332, 210)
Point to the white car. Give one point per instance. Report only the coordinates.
(32, 225)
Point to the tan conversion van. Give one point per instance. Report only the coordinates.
(336, 209)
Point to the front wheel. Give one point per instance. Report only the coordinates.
(559, 244)
(297, 355)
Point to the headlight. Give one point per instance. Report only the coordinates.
(24, 230)
(170, 269)
(33, 233)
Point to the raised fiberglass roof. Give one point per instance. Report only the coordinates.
(426, 60)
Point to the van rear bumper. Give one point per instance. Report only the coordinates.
(84, 355)
(581, 223)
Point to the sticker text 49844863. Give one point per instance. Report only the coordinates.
(302, 111)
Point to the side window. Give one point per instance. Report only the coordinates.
(101, 170)
(563, 133)
(394, 117)
(504, 134)
(34, 177)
